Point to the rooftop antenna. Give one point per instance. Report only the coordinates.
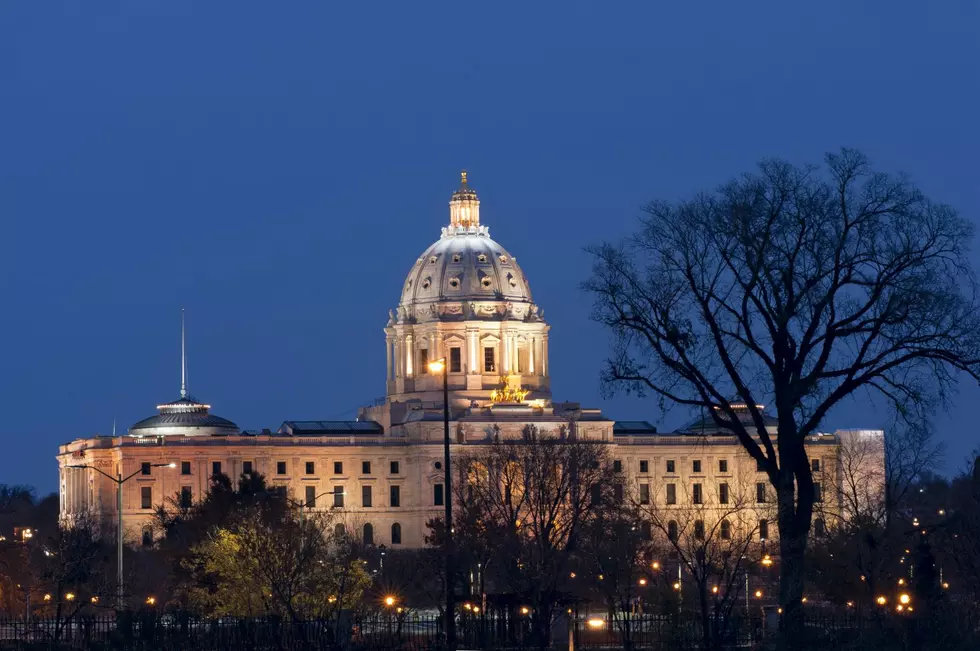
(183, 358)
(113, 425)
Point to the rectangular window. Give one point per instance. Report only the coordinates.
(815, 465)
(185, 467)
(437, 495)
(818, 527)
(723, 493)
(280, 467)
(760, 492)
(366, 496)
(763, 529)
(423, 360)
(644, 466)
(338, 497)
(394, 467)
(247, 467)
(146, 497)
(618, 493)
(699, 529)
(760, 466)
(723, 465)
(596, 495)
(215, 467)
(697, 494)
(817, 492)
(644, 493)
(186, 497)
(455, 360)
(671, 493)
(145, 468)
(670, 465)
(365, 467)
(310, 501)
(394, 496)
(488, 360)
(696, 466)
(338, 467)
(617, 466)
(310, 468)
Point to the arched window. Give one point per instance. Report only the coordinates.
(147, 536)
(368, 534)
(672, 530)
(339, 530)
(647, 531)
(396, 534)
(726, 530)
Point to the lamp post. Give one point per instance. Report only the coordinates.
(119, 481)
(441, 366)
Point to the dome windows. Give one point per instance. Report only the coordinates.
(486, 282)
(433, 259)
(457, 257)
(503, 259)
(426, 282)
(512, 280)
(482, 257)
(454, 282)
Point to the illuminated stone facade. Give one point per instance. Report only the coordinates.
(467, 301)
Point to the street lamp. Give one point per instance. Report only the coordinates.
(436, 367)
(119, 481)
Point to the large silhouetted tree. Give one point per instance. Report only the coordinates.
(794, 288)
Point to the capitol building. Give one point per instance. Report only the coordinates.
(467, 301)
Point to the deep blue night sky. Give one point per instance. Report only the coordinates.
(276, 168)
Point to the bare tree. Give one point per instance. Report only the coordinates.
(709, 531)
(615, 557)
(532, 499)
(854, 550)
(796, 289)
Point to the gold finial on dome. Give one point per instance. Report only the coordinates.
(464, 208)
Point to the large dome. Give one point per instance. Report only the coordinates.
(467, 268)
(184, 417)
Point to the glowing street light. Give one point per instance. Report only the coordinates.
(595, 622)
(655, 565)
(70, 596)
(119, 480)
(151, 601)
(643, 581)
(882, 600)
(677, 585)
(714, 589)
(389, 601)
(441, 367)
(904, 598)
(767, 560)
(758, 594)
(525, 610)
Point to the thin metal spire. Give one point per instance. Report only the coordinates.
(113, 425)
(183, 358)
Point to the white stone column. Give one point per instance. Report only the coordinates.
(544, 356)
(473, 344)
(409, 354)
(504, 353)
(390, 374)
(531, 343)
(398, 358)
